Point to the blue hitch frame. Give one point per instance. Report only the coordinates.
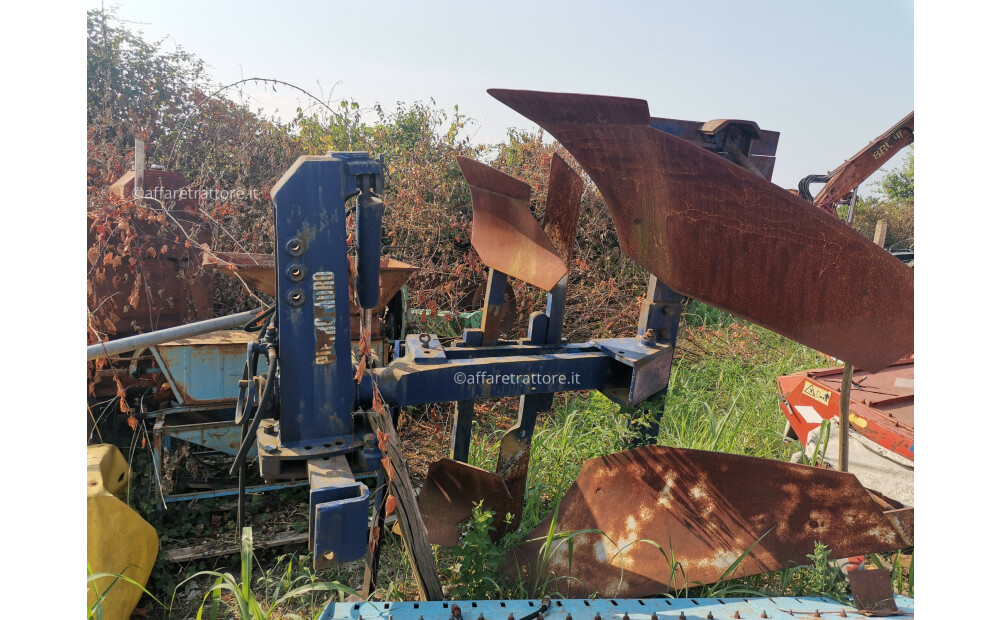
(318, 432)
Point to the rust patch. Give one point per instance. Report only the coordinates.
(562, 207)
(449, 493)
(703, 509)
(505, 234)
(716, 232)
(180, 292)
(872, 590)
(258, 271)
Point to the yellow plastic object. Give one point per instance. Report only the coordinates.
(119, 541)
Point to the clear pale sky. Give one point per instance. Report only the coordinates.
(830, 76)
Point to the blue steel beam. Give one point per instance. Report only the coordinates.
(442, 374)
(785, 607)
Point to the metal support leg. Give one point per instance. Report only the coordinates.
(515, 455)
(461, 430)
(496, 288)
(375, 536)
(659, 319)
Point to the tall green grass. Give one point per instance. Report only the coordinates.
(723, 396)
(577, 428)
(723, 393)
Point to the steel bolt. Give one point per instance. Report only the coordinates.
(270, 448)
(649, 338)
(682, 616)
(710, 616)
(456, 611)
(842, 614)
(510, 616)
(480, 616)
(625, 617)
(653, 617)
(370, 440)
(737, 614)
(569, 616)
(763, 614)
(597, 616)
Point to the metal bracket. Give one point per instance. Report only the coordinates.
(338, 512)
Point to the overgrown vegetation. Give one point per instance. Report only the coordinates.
(722, 396)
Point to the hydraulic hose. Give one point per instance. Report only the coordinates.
(252, 325)
(251, 432)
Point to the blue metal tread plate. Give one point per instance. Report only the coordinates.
(609, 609)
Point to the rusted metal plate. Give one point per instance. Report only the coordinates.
(449, 493)
(257, 270)
(703, 510)
(505, 234)
(902, 520)
(881, 403)
(716, 232)
(872, 590)
(173, 291)
(562, 207)
(852, 172)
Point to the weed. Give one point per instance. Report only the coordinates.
(816, 460)
(241, 598)
(96, 611)
(823, 578)
(478, 559)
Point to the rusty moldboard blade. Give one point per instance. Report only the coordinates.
(258, 270)
(703, 509)
(448, 494)
(505, 234)
(720, 234)
(562, 207)
(872, 590)
(902, 520)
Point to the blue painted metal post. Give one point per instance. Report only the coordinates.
(461, 430)
(369, 241)
(659, 321)
(311, 269)
(488, 334)
(317, 390)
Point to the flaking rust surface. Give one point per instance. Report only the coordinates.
(703, 510)
(505, 234)
(562, 207)
(720, 234)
